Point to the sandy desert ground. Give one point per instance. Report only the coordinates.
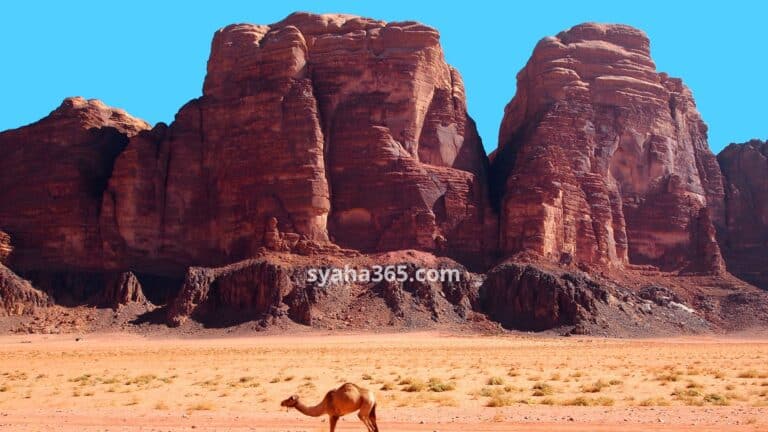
(424, 382)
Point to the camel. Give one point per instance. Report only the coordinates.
(339, 402)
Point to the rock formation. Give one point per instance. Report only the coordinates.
(340, 128)
(18, 296)
(526, 297)
(119, 290)
(604, 161)
(5, 247)
(278, 285)
(52, 176)
(330, 140)
(744, 235)
(535, 297)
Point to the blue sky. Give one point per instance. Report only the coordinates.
(149, 57)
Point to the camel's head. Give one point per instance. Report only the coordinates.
(290, 402)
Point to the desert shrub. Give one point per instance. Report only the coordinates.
(438, 386)
(543, 389)
(716, 399)
(495, 381)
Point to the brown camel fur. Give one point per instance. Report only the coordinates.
(339, 402)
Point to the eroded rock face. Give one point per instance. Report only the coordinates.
(343, 129)
(603, 160)
(278, 285)
(5, 247)
(18, 296)
(525, 297)
(52, 176)
(121, 289)
(536, 297)
(744, 235)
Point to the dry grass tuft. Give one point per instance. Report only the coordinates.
(595, 387)
(656, 401)
(438, 386)
(716, 399)
(585, 401)
(495, 381)
(499, 400)
(201, 406)
(543, 389)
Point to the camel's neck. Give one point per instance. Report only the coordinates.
(312, 411)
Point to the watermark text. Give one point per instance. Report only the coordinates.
(390, 273)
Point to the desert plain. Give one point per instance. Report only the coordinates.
(424, 381)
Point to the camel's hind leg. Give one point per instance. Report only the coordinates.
(372, 419)
(365, 416)
(366, 421)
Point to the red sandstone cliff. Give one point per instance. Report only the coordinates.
(5, 247)
(52, 175)
(603, 160)
(744, 236)
(325, 139)
(344, 129)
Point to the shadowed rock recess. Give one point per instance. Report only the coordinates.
(325, 141)
(745, 229)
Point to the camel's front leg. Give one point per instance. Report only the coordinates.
(333, 421)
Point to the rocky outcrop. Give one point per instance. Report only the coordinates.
(18, 296)
(339, 128)
(525, 297)
(604, 161)
(533, 297)
(275, 286)
(5, 247)
(744, 233)
(52, 177)
(254, 288)
(120, 290)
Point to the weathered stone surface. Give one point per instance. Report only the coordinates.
(341, 128)
(254, 287)
(119, 290)
(278, 285)
(5, 247)
(547, 297)
(526, 297)
(18, 296)
(52, 176)
(744, 234)
(603, 160)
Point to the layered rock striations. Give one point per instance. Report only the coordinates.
(343, 129)
(744, 234)
(52, 177)
(604, 161)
